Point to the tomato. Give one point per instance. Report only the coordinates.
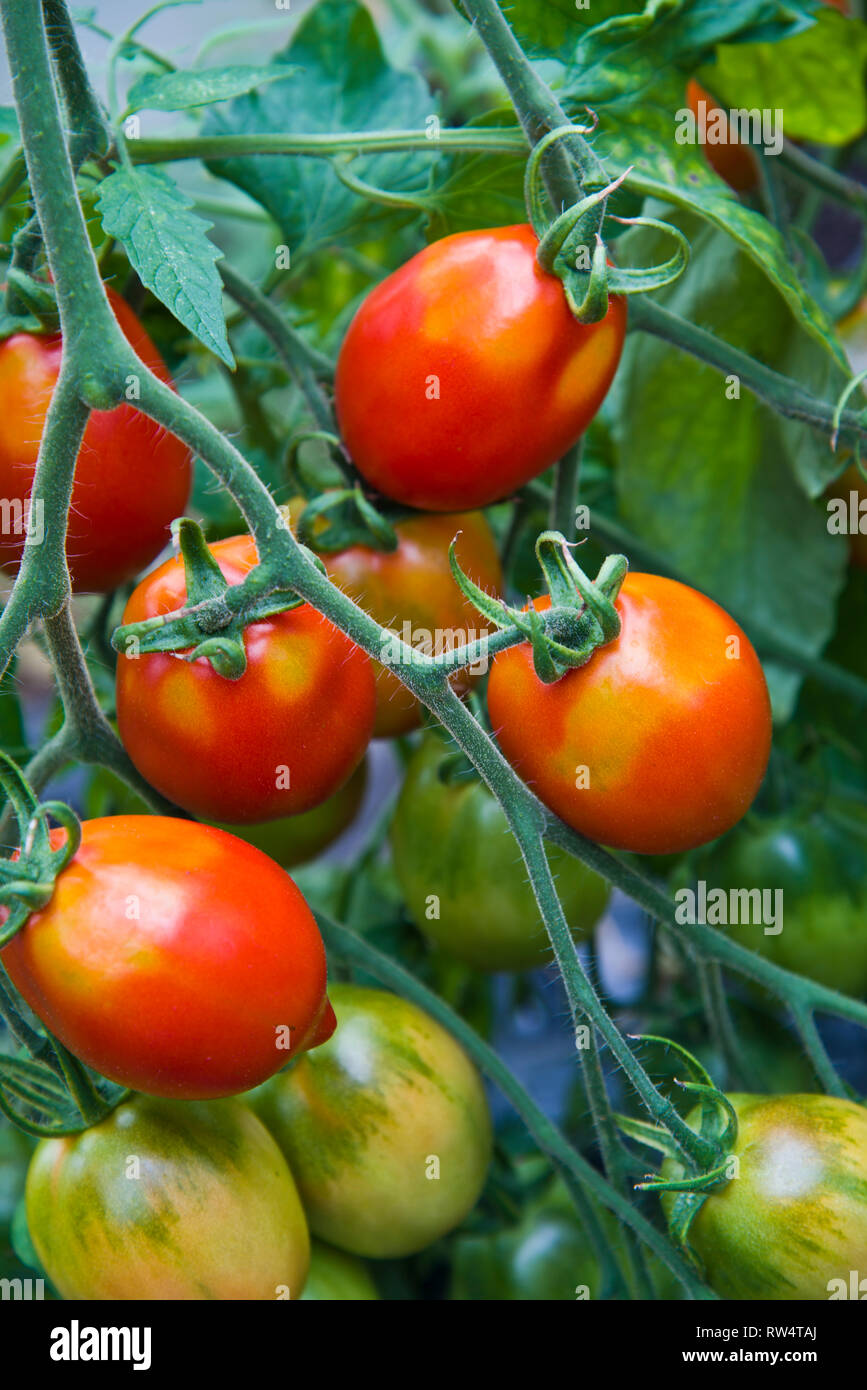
(546, 1257)
(660, 741)
(334, 1276)
(132, 478)
(298, 839)
(464, 373)
(411, 591)
(168, 1200)
(820, 873)
(386, 1129)
(733, 161)
(795, 1219)
(448, 838)
(174, 959)
(848, 483)
(278, 741)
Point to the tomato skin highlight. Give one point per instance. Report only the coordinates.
(733, 161)
(796, 1217)
(675, 735)
(414, 585)
(212, 1213)
(358, 1128)
(216, 747)
(132, 478)
(464, 373)
(447, 839)
(169, 957)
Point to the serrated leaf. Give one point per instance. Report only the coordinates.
(168, 248)
(344, 84)
(719, 486)
(815, 78)
(176, 91)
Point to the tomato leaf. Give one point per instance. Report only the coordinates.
(167, 247)
(345, 84)
(816, 77)
(176, 91)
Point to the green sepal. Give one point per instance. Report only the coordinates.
(493, 609)
(351, 520)
(647, 1133)
(37, 296)
(27, 882)
(226, 655)
(204, 578)
(639, 280)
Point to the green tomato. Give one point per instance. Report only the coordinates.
(462, 875)
(545, 1257)
(297, 839)
(334, 1276)
(794, 1220)
(172, 1200)
(820, 871)
(385, 1127)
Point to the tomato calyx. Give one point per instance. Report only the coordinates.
(582, 615)
(37, 300)
(718, 1132)
(342, 518)
(27, 881)
(572, 246)
(211, 624)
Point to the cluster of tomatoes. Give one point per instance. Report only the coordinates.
(178, 959)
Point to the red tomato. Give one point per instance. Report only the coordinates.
(174, 959)
(411, 591)
(276, 742)
(733, 161)
(464, 374)
(132, 478)
(660, 741)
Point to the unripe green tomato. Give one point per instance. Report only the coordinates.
(456, 858)
(820, 872)
(546, 1257)
(168, 1200)
(385, 1127)
(298, 839)
(794, 1219)
(334, 1276)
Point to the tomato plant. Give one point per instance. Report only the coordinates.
(168, 1201)
(447, 356)
(660, 741)
(512, 465)
(301, 715)
(794, 1220)
(387, 1133)
(450, 834)
(131, 477)
(175, 959)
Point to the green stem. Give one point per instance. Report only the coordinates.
(818, 175)
(565, 495)
(318, 146)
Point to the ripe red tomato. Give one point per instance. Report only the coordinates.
(733, 161)
(210, 1212)
(464, 374)
(276, 742)
(132, 478)
(411, 591)
(174, 959)
(298, 839)
(660, 741)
